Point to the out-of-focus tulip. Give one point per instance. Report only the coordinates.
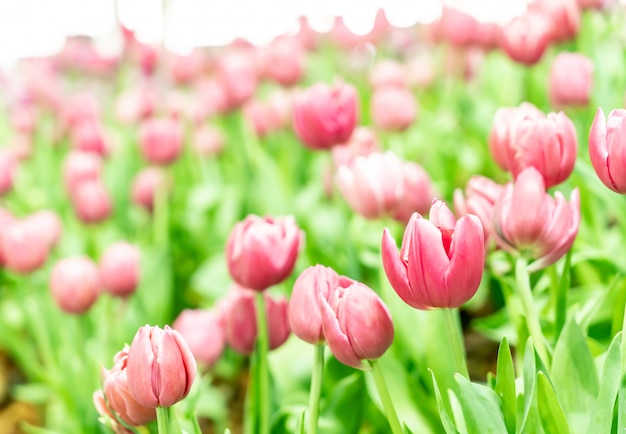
(282, 61)
(456, 27)
(529, 222)
(362, 142)
(161, 140)
(83, 107)
(160, 367)
(481, 194)
(262, 251)
(145, 186)
(8, 166)
(421, 70)
(571, 80)
(184, 69)
(89, 136)
(441, 260)
(418, 192)
(208, 141)
(261, 117)
(238, 315)
(23, 118)
(80, 166)
(564, 17)
(136, 104)
(238, 77)
(357, 324)
(47, 224)
(607, 149)
(91, 201)
(74, 284)
(203, 332)
(24, 248)
(118, 396)
(393, 108)
(388, 73)
(325, 116)
(548, 143)
(526, 38)
(119, 268)
(6, 219)
(305, 317)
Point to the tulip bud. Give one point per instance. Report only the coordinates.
(161, 140)
(481, 195)
(47, 225)
(81, 166)
(75, 284)
(393, 108)
(238, 78)
(160, 367)
(118, 396)
(325, 116)
(145, 186)
(441, 260)
(607, 149)
(23, 246)
(526, 38)
(91, 201)
(356, 323)
(528, 221)
(120, 269)
(262, 252)
(203, 332)
(563, 15)
(418, 192)
(570, 80)
(89, 136)
(305, 318)
(283, 61)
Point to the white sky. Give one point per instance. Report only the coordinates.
(32, 28)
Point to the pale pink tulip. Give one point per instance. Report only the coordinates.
(120, 269)
(607, 149)
(74, 284)
(571, 80)
(393, 108)
(203, 332)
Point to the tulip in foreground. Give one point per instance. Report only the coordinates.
(441, 260)
(160, 368)
(607, 149)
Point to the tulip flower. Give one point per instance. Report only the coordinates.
(357, 324)
(24, 247)
(75, 284)
(89, 136)
(81, 166)
(237, 75)
(570, 80)
(362, 142)
(262, 252)
(388, 73)
(160, 367)
(203, 332)
(526, 38)
(481, 195)
(161, 141)
(325, 116)
(563, 15)
(47, 224)
(91, 201)
(529, 222)
(282, 61)
(418, 192)
(607, 148)
(145, 186)
(119, 269)
(441, 260)
(393, 108)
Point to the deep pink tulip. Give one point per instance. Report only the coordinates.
(441, 260)
(418, 192)
(357, 324)
(145, 186)
(325, 116)
(80, 166)
(607, 149)
(480, 198)
(8, 166)
(203, 332)
(118, 396)
(262, 252)
(75, 284)
(526, 38)
(91, 201)
(161, 140)
(305, 317)
(120, 269)
(160, 368)
(393, 108)
(528, 221)
(571, 80)
(24, 248)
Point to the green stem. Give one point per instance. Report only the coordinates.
(316, 388)
(390, 410)
(262, 349)
(532, 320)
(163, 420)
(455, 337)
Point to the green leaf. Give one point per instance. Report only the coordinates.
(505, 385)
(551, 413)
(574, 376)
(621, 406)
(447, 423)
(481, 407)
(602, 417)
(529, 377)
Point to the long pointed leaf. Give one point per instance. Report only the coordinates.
(481, 407)
(505, 385)
(551, 413)
(602, 417)
(447, 423)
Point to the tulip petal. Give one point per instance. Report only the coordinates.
(139, 380)
(616, 147)
(337, 341)
(598, 151)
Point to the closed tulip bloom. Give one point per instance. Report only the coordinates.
(47, 224)
(80, 166)
(607, 149)
(325, 116)
(203, 332)
(120, 269)
(118, 396)
(237, 75)
(91, 201)
(362, 142)
(393, 108)
(564, 17)
(160, 367)
(262, 251)
(570, 80)
(283, 61)
(529, 222)
(441, 260)
(145, 186)
(305, 318)
(481, 195)
(357, 324)
(526, 38)
(161, 140)
(89, 136)
(418, 192)
(75, 284)
(23, 246)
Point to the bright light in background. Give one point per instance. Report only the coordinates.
(145, 17)
(407, 13)
(499, 11)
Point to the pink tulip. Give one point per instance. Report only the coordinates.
(388, 73)
(238, 77)
(24, 248)
(8, 167)
(393, 108)
(570, 80)
(528, 221)
(74, 284)
(325, 116)
(607, 149)
(564, 17)
(118, 396)
(418, 193)
(441, 260)
(120, 269)
(208, 141)
(362, 142)
(261, 117)
(203, 332)
(89, 136)
(262, 252)
(160, 368)
(83, 107)
(357, 324)
(47, 224)
(80, 166)
(456, 27)
(145, 186)
(283, 61)
(161, 140)
(481, 195)
(526, 38)
(305, 317)
(91, 201)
